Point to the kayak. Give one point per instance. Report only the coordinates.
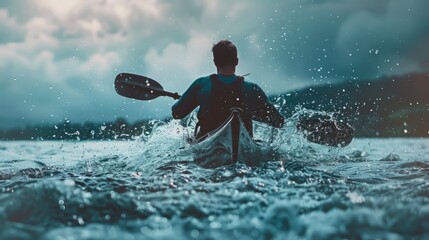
(231, 142)
(228, 144)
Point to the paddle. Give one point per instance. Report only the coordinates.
(140, 87)
(321, 131)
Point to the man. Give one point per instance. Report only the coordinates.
(218, 93)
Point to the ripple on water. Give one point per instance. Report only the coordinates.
(111, 192)
(391, 158)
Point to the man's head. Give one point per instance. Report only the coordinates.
(225, 54)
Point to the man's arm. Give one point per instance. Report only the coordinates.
(187, 103)
(265, 110)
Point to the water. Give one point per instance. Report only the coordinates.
(151, 189)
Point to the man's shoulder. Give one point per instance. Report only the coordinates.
(203, 79)
(251, 85)
(249, 82)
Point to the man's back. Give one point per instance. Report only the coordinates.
(215, 94)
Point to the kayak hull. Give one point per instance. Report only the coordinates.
(227, 145)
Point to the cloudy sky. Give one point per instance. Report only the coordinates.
(59, 58)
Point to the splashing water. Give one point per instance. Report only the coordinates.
(150, 188)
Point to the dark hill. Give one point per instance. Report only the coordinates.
(389, 107)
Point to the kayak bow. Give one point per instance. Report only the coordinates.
(227, 145)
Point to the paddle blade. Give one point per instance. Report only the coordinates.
(137, 87)
(326, 132)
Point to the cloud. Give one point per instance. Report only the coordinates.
(180, 64)
(59, 59)
(338, 40)
(382, 42)
(11, 27)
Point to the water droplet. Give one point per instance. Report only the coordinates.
(80, 221)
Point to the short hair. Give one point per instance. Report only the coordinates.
(224, 53)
